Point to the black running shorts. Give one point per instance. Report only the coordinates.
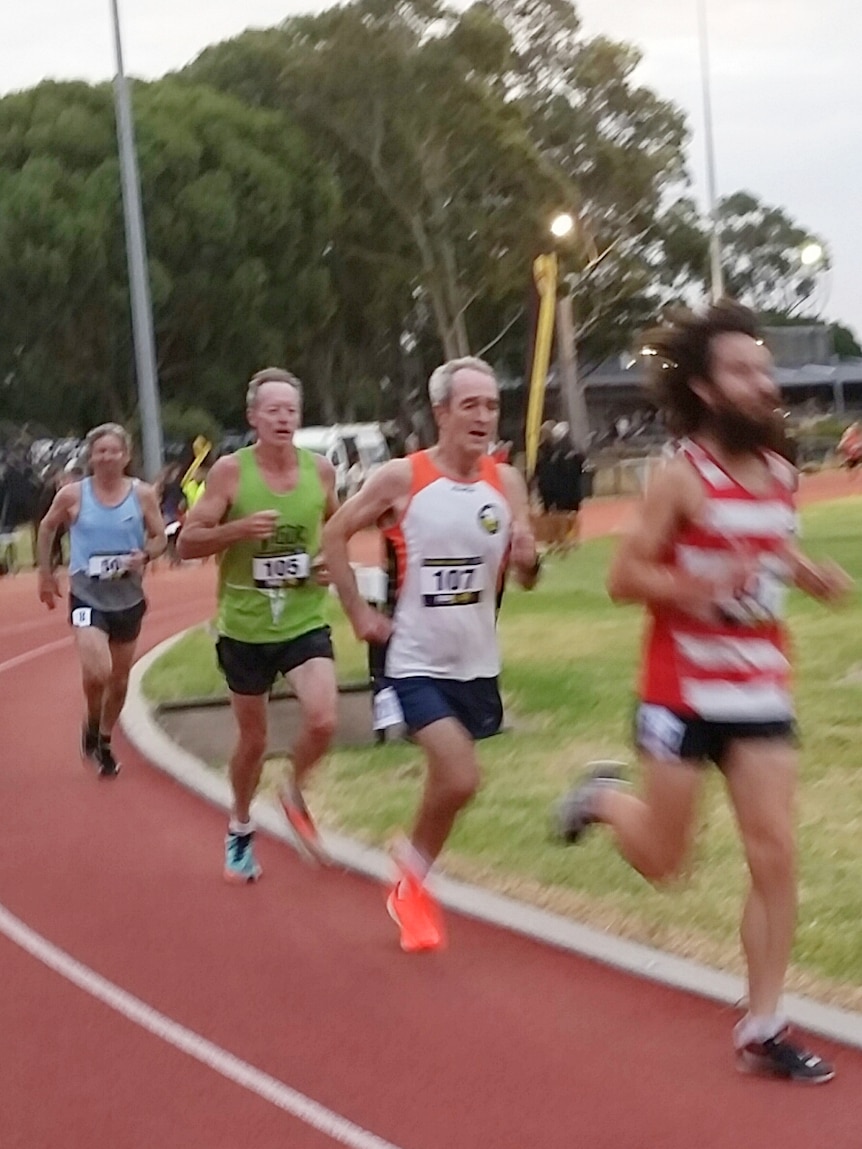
(118, 625)
(668, 736)
(252, 667)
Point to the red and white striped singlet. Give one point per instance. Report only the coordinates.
(737, 670)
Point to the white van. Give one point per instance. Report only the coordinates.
(370, 443)
(354, 449)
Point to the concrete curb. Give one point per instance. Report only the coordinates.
(146, 735)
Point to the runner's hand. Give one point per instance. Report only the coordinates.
(699, 597)
(369, 625)
(826, 580)
(320, 571)
(136, 562)
(49, 590)
(261, 525)
(523, 552)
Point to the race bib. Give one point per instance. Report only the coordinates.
(451, 582)
(659, 731)
(762, 600)
(108, 566)
(386, 710)
(271, 571)
(82, 616)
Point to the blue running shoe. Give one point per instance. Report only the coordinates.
(239, 864)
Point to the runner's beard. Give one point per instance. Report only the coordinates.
(741, 434)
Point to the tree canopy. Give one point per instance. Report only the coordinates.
(238, 215)
(355, 194)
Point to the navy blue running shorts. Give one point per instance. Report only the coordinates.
(475, 704)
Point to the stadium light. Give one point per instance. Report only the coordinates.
(716, 275)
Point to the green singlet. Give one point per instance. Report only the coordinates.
(265, 593)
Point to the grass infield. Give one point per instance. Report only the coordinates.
(570, 657)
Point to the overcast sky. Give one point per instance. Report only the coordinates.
(787, 99)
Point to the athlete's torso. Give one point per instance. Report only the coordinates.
(736, 670)
(266, 593)
(449, 547)
(100, 538)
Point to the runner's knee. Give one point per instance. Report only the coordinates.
(666, 871)
(252, 743)
(457, 790)
(96, 677)
(667, 862)
(771, 857)
(320, 724)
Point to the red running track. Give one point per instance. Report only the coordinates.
(499, 1043)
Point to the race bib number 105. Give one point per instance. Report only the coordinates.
(452, 582)
(269, 571)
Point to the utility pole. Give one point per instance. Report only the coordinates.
(136, 255)
(716, 276)
(567, 360)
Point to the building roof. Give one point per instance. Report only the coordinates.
(626, 371)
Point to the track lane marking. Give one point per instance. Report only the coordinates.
(161, 613)
(270, 1089)
(29, 655)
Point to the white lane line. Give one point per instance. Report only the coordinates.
(187, 1041)
(20, 659)
(33, 624)
(160, 614)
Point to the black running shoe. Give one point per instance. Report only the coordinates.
(574, 812)
(108, 765)
(779, 1057)
(89, 742)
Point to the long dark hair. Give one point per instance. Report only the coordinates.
(680, 350)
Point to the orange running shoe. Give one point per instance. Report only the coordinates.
(417, 915)
(302, 824)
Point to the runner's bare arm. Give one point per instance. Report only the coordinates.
(326, 471)
(61, 513)
(639, 571)
(523, 555)
(205, 532)
(822, 580)
(381, 500)
(156, 541)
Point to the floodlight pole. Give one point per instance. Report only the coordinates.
(716, 277)
(136, 255)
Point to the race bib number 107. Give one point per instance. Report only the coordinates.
(452, 582)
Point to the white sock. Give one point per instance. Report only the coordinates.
(410, 861)
(755, 1028)
(236, 827)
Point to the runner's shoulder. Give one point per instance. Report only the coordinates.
(675, 482)
(144, 490)
(396, 476)
(325, 469)
(225, 469)
(512, 480)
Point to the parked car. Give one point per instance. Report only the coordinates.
(354, 449)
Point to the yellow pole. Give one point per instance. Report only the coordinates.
(201, 448)
(545, 276)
